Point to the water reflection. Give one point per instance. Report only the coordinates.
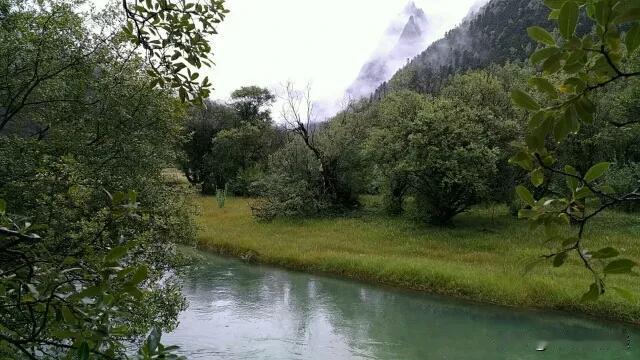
(239, 311)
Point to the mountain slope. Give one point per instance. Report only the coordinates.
(496, 33)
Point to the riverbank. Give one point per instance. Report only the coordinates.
(482, 258)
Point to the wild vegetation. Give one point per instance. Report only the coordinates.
(419, 186)
(88, 222)
(451, 147)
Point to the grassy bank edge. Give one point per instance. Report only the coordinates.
(354, 271)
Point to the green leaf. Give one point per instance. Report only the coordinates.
(592, 294)
(527, 214)
(632, 39)
(564, 218)
(524, 100)
(67, 315)
(522, 159)
(622, 266)
(560, 259)
(571, 115)
(577, 85)
(83, 351)
(596, 171)
(552, 65)
(605, 253)
(602, 11)
(545, 86)
(133, 196)
(3, 207)
(568, 19)
(153, 340)
(535, 141)
(569, 241)
(139, 276)
(525, 195)
(572, 182)
(583, 112)
(541, 35)
(537, 177)
(90, 292)
(583, 193)
(562, 128)
(543, 54)
(134, 291)
(116, 253)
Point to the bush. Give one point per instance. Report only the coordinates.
(244, 184)
(293, 186)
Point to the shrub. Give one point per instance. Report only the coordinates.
(293, 186)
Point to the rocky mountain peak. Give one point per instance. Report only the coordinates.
(404, 39)
(411, 31)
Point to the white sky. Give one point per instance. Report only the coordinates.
(319, 42)
(324, 42)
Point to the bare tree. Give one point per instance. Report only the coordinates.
(298, 115)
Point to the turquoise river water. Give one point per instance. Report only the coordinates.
(241, 311)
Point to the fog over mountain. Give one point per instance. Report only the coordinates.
(408, 35)
(270, 43)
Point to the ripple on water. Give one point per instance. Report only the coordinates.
(260, 312)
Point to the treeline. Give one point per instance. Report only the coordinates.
(448, 150)
(227, 145)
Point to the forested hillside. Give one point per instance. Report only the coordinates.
(495, 34)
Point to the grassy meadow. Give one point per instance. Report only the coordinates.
(481, 258)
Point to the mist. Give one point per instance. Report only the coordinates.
(324, 44)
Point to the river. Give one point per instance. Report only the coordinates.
(241, 311)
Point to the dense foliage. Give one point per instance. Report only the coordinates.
(88, 223)
(574, 68)
(495, 34)
(447, 150)
(227, 145)
(317, 171)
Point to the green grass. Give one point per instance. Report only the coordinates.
(482, 258)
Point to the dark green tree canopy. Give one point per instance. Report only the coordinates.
(252, 103)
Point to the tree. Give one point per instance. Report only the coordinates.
(82, 123)
(387, 145)
(224, 143)
(450, 151)
(574, 68)
(298, 115)
(202, 127)
(252, 104)
(173, 34)
(488, 91)
(452, 158)
(316, 171)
